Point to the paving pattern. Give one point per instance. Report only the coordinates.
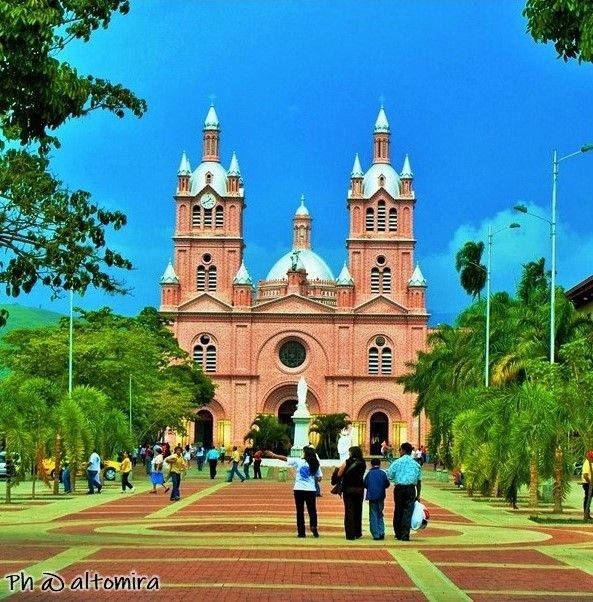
(236, 542)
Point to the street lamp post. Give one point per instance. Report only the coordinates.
(521, 208)
(70, 341)
(130, 404)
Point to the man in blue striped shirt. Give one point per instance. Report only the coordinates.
(406, 475)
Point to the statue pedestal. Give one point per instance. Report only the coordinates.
(301, 435)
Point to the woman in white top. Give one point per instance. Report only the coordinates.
(308, 472)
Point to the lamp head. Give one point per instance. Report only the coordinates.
(586, 148)
(520, 208)
(515, 225)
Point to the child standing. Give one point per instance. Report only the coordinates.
(376, 482)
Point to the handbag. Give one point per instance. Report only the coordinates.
(338, 482)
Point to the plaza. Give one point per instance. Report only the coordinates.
(235, 542)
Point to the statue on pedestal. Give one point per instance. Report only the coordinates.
(345, 441)
(301, 419)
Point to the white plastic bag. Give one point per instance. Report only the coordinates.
(419, 516)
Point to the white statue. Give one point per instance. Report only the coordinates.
(345, 442)
(302, 411)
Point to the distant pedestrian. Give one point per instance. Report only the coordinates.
(257, 464)
(178, 464)
(156, 471)
(126, 468)
(308, 471)
(212, 458)
(93, 470)
(187, 454)
(235, 459)
(247, 461)
(148, 456)
(134, 457)
(200, 454)
(351, 472)
(66, 479)
(222, 453)
(406, 474)
(587, 484)
(375, 483)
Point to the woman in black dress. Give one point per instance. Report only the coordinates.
(352, 472)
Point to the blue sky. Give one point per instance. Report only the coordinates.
(474, 101)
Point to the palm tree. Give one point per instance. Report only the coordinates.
(472, 272)
(533, 284)
(328, 426)
(268, 433)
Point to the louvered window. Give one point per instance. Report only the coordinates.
(386, 360)
(212, 278)
(386, 280)
(381, 216)
(393, 220)
(373, 360)
(211, 358)
(207, 218)
(199, 355)
(219, 217)
(196, 216)
(375, 280)
(370, 219)
(201, 278)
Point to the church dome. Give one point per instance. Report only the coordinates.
(218, 181)
(315, 266)
(371, 181)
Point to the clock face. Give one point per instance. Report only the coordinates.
(207, 201)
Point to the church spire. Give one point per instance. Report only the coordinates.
(183, 174)
(211, 136)
(381, 137)
(301, 227)
(356, 176)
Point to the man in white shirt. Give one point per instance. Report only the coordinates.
(93, 470)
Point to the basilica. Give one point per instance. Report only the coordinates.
(350, 336)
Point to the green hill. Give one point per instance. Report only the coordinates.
(20, 316)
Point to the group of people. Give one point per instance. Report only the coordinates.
(350, 480)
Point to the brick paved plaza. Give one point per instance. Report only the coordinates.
(237, 542)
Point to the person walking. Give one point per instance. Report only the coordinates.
(156, 472)
(308, 471)
(126, 468)
(375, 483)
(235, 459)
(134, 457)
(257, 464)
(93, 470)
(178, 464)
(187, 454)
(247, 460)
(406, 474)
(212, 457)
(222, 453)
(148, 457)
(66, 479)
(351, 473)
(200, 457)
(587, 481)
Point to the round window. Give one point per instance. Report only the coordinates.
(380, 341)
(380, 260)
(292, 354)
(204, 339)
(206, 258)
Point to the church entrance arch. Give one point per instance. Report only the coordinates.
(204, 429)
(378, 431)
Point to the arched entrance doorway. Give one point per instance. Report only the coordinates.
(203, 431)
(285, 412)
(378, 431)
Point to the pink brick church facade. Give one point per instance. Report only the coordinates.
(349, 336)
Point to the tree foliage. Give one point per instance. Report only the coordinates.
(566, 23)
(268, 433)
(472, 273)
(328, 426)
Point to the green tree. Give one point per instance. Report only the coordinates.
(566, 23)
(472, 272)
(47, 232)
(328, 426)
(268, 433)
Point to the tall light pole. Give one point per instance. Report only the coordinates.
(488, 272)
(70, 341)
(555, 161)
(130, 405)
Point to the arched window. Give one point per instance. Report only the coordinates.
(219, 217)
(381, 181)
(201, 278)
(373, 362)
(385, 360)
(370, 219)
(207, 218)
(211, 358)
(196, 216)
(393, 220)
(381, 216)
(199, 355)
(212, 278)
(208, 178)
(386, 280)
(375, 279)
